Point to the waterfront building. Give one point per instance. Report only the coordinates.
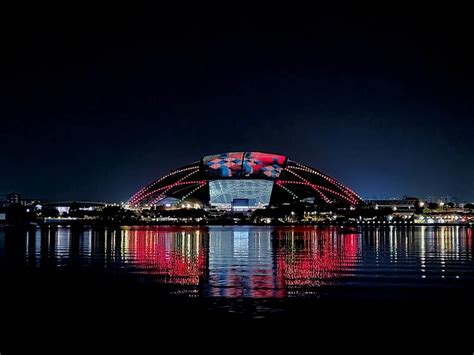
(244, 181)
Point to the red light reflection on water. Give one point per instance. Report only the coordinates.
(241, 264)
(469, 238)
(175, 254)
(313, 257)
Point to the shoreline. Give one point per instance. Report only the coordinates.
(90, 224)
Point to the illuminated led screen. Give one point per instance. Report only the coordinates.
(224, 165)
(244, 164)
(223, 193)
(262, 165)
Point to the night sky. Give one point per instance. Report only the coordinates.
(92, 107)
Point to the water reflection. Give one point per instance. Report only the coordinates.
(254, 262)
(315, 257)
(241, 263)
(174, 256)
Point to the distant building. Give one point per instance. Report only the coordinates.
(13, 198)
(242, 204)
(30, 202)
(399, 206)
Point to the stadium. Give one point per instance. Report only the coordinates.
(244, 181)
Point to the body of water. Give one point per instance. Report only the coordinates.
(329, 285)
(256, 262)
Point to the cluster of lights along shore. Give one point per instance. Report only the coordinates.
(289, 181)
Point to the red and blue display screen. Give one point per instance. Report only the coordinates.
(244, 164)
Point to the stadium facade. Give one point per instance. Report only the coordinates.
(244, 180)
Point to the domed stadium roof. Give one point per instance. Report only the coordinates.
(250, 179)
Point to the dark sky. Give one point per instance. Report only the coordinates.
(93, 106)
